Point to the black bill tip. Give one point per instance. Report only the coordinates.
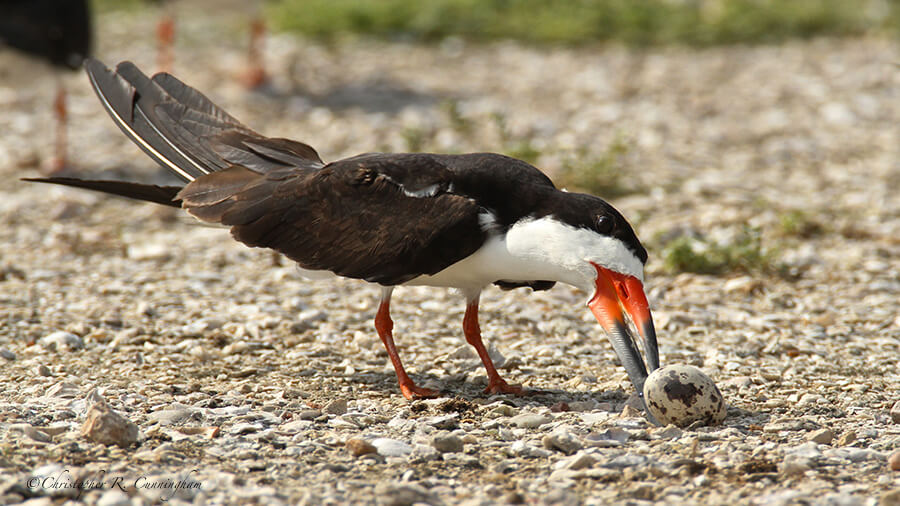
(626, 349)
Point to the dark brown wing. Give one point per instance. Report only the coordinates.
(358, 217)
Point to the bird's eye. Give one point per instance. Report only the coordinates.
(604, 224)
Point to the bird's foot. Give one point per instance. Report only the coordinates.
(500, 386)
(412, 392)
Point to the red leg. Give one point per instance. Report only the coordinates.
(384, 325)
(496, 384)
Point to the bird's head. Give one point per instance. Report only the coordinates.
(606, 259)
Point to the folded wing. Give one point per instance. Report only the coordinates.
(358, 217)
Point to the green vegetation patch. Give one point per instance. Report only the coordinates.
(643, 22)
(798, 223)
(599, 175)
(745, 253)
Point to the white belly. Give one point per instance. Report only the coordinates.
(528, 252)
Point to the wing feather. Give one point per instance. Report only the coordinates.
(351, 217)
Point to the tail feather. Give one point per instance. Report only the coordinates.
(121, 100)
(165, 195)
(196, 101)
(183, 130)
(156, 106)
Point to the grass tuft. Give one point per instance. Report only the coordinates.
(598, 175)
(516, 147)
(797, 223)
(744, 253)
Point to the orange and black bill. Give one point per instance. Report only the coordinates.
(615, 291)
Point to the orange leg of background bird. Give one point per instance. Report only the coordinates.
(165, 40)
(384, 325)
(58, 163)
(496, 384)
(255, 74)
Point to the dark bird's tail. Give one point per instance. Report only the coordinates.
(164, 195)
(183, 131)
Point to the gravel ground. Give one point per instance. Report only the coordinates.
(238, 381)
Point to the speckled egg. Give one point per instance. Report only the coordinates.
(683, 394)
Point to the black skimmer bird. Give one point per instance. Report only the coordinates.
(458, 221)
(57, 31)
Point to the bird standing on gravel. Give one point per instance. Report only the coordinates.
(458, 221)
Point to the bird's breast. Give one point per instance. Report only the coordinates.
(530, 250)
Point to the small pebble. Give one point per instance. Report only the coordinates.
(446, 422)
(806, 450)
(789, 424)
(61, 340)
(425, 453)
(563, 440)
(611, 438)
(630, 412)
(309, 319)
(626, 460)
(29, 431)
(579, 461)
(770, 374)
(296, 426)
(847, 438)
(447, 443)
(359, 447)
(336, 407)
(105, 426)
(391, 447)
(170, 416)
(43, 370)
(513, 497)
(523, 449)
(668, 432)
(309, 414)
(895, 412)
(894, 461)
(403, 494)
(244, 428)
(822, 436)
(890, 498)
(794, 464)
(530, 420)
(500, 409)
(8, 355)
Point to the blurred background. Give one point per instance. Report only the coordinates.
(736, 129)
(753, 144)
